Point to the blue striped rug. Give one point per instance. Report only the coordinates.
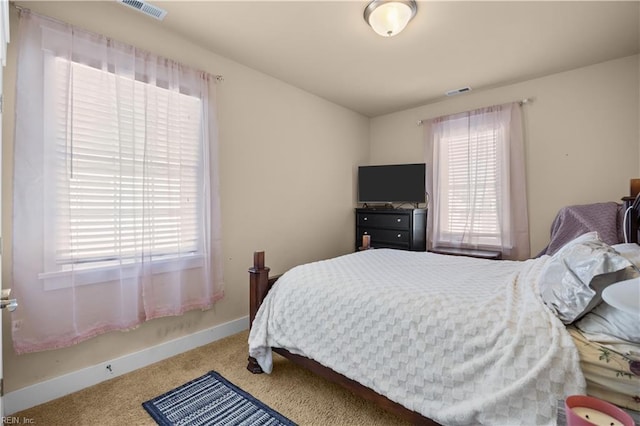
(211, 400)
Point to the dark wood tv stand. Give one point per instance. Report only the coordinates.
(404, 229)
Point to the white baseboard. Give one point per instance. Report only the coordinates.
(48, 390)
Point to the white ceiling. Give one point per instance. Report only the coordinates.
(326, 48)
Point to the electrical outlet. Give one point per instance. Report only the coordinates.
(15, 325)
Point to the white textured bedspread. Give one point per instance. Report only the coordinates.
(459, 340)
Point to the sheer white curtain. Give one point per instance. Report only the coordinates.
(4, 34)
(477, 181)
(115, 197)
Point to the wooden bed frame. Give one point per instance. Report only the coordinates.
(260, 284)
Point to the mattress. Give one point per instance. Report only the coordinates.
(456, 339)
(612, 372)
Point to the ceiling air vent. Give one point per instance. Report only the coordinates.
(146, 8)
(458, 91)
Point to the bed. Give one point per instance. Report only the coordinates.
(435, 339)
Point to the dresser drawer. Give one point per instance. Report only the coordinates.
(393, 221)
(386, 236)
(403, 229)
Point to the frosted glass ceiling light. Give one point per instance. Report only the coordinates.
(389, 17)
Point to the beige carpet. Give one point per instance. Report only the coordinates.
(296, 393)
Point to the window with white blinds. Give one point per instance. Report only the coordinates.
(129, 160)
(470, 189)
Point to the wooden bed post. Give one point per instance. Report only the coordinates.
(258, 284)
(258, 288)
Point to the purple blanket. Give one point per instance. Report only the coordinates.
(573, 221)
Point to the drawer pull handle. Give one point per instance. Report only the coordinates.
(366, 233)
(364, 218)
(399, 235)
(399, 220)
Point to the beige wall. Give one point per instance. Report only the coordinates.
(287, 169)
(582, 136)
(288, 164)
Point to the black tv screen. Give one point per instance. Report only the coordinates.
(397, 183)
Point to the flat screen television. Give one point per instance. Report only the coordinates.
(395, 183)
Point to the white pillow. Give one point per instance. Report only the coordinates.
(629, 250)
(573, 279)
(607, 324)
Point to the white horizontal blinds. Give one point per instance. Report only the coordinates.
(130, 161)
(471, 184)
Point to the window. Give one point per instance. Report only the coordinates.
(128, 186)
(470, 191)
(116, 210)
(477, 181)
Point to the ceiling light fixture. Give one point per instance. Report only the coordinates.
(389, 17)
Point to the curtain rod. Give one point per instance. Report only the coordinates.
(219, 78)
(520, 102)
